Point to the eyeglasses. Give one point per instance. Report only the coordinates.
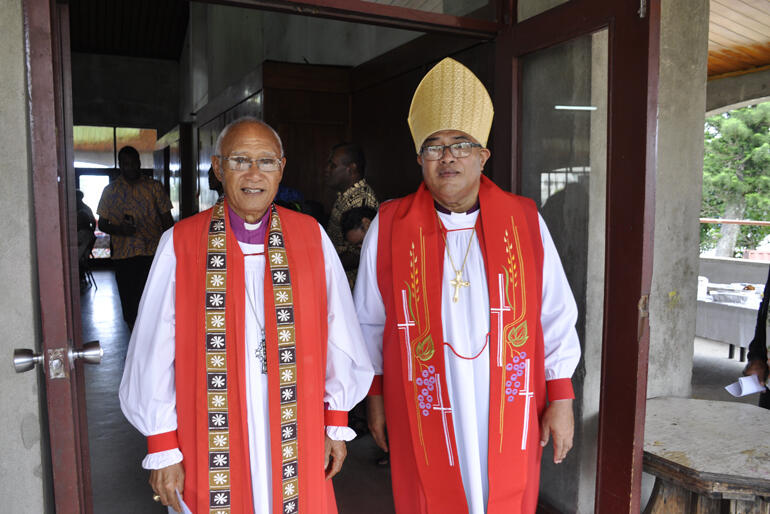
(458, 150)
(239, 163)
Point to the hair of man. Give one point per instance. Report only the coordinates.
(244, 119)
(353, 154)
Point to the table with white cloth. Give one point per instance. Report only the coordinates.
(731, 323)
(707, 456)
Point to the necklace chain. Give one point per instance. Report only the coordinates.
(458, 281)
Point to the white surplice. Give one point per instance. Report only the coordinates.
(466, 325)
(147, 391)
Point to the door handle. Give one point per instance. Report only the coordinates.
(25, 359)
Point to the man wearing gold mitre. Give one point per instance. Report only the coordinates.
(468, 318)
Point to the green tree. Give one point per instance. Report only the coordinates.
(736, 178)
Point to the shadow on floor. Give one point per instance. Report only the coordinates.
(712, 370)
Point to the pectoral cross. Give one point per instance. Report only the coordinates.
(457, 283)
(261, 352)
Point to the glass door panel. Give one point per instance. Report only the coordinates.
(564, 170)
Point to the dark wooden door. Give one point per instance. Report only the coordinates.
(50, 127)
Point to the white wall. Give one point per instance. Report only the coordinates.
(22, 470)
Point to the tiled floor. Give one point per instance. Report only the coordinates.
(119, 482)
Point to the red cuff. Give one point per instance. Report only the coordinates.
(162, 442)
(560, 389)
(336, 418)
(376, 388)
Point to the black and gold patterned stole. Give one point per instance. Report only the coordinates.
(216, 363)
(283, 297)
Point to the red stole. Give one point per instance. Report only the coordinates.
(426, 474)
(303, 249)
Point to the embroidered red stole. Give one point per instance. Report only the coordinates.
(296, 335)
(426, 474)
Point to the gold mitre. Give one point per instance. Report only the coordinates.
(450, 97)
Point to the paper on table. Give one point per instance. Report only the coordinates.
(745, 386)
(185, 508)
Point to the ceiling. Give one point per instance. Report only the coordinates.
(136, 28)
(739, 36)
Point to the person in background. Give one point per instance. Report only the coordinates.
(134, 210)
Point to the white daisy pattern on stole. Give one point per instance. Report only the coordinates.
(218, 321)
(290, 507)
(220, 460)
(288, 432)
(288, 451)
(217, 341)
(218, 400)
(217, 280)
(276, 258)
(220, 478)
(218, 242)
(282, 296)
(286, 414)
(216, 300)
(283, 315)
(218, 420)
(218, 381)
(284, 335)
(220, 440)
(219, 225)
(275, 240)
(287, 375)
(220, 498)
(217, 261)
(287, 394)
(289, 471)
(280, 277)
(288, 490)
(217, 361)
(286, 356)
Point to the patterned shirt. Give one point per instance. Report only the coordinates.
(144, 201)
(359, 194)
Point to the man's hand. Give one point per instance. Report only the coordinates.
(758, 368)
(336, 451)
(559, 422)
(375, 415)
(166, 481)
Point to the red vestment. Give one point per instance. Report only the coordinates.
(426, 474)
(303, 247)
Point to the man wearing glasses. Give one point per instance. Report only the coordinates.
(468, 318)
(247, 354)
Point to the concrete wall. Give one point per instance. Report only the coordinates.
(724, 271)
(22, 470)
(733, 92)
(125, 91)
(682, 101)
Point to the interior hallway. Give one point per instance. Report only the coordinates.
(118, 480)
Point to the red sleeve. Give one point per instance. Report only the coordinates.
(335, 418)
(376, 387)
(162, 442)
(560, 389)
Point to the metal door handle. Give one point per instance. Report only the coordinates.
(25, 359)
(91, 353)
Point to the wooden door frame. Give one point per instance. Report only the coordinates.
(46, 32)
(634, 40)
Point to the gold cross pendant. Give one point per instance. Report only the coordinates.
(457, 283)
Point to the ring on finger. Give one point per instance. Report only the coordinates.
(156, 497)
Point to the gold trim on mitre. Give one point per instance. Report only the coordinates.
(450, 97)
